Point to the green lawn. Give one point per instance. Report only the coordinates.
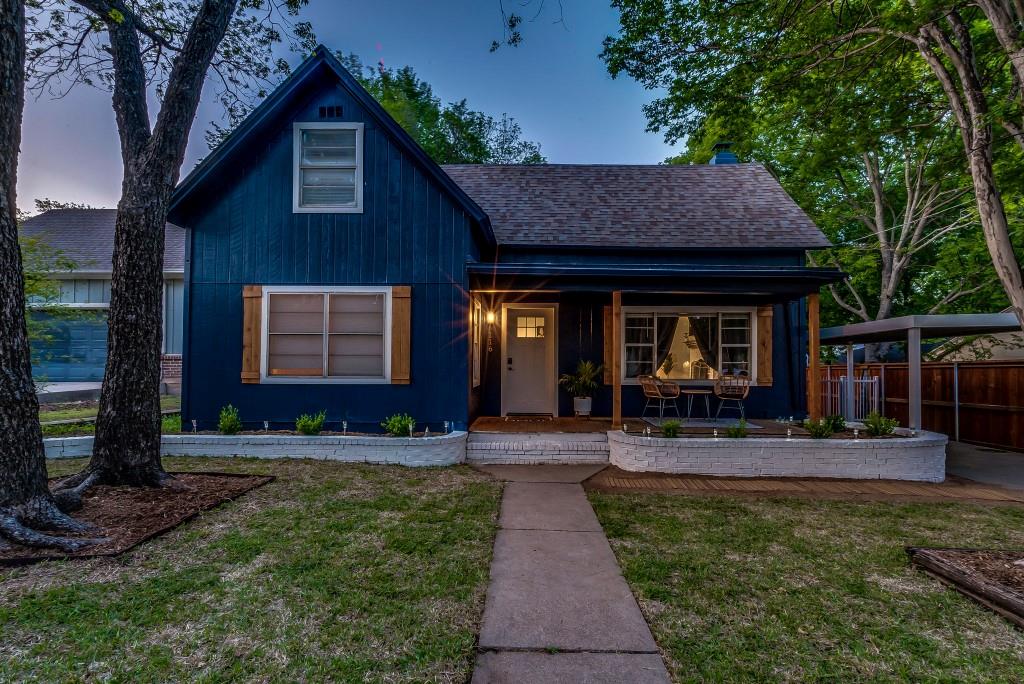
(332, 572)
(82, 410)
(795, 590)
(169, 425)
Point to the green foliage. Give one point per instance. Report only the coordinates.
(878, 425)
(737, 431)
(229, 423)
(818, 429)
(817, 118)
(836, 423)
(583, 382)
(450, 133)
(308, 424)
(399, 425)
(670, 429)
(171, 424)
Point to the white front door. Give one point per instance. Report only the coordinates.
(528, 372)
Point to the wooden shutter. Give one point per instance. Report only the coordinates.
(401, 334)
(609, 347)
(764, 345)
(252, 312)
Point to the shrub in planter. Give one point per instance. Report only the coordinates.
(310, 424)
(581, 385)
(818, 429)
(670, 429)
(399, 425)
(737, 431)
(835, 423)
(878, 425)
(229, 422)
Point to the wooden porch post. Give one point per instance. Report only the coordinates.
(814, 354)
(616, 359)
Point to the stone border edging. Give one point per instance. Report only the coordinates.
(921, 458)
(440, 450)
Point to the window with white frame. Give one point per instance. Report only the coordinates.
(327, 334)
(477, 314)
(328, 170)
(692, 345)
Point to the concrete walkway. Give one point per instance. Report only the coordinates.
(984, 464)
(558, 608)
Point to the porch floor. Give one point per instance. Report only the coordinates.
(536, 424)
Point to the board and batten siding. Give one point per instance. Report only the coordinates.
(243, 232)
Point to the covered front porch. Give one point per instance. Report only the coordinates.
(689, 325)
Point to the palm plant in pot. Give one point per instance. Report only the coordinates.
(581, 385)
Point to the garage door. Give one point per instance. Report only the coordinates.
(70, 349)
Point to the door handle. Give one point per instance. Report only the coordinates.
(510, 363)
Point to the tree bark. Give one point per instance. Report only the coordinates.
(26, 504)
(126, 449)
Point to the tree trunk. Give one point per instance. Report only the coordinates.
(126, 449)
(25, 499)
(996, 229)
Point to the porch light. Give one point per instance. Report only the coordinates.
(490, 318)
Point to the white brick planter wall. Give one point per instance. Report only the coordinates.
(441, 450)
(537, 448)
(921, 458)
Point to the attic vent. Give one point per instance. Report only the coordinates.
(330, 112)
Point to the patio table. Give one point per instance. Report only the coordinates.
(692, 392)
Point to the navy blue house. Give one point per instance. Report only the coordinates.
(332, 265)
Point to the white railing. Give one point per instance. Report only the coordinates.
(865, 397)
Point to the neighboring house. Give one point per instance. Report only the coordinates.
(76, 346)
(332, 265)
(1007, 346)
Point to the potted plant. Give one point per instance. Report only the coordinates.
(581, 385)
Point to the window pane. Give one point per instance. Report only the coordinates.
(329, 147)
(357, 313)
(328, 187)
(735, 330)
(735, 360)
(297, 355)
(639, 361)
(355, 355)
(530, 326)
(639, 329)
(296, 313)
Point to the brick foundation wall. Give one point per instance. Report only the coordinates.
(921, 458)
(530, 449)
(170, 367)
(441, 450)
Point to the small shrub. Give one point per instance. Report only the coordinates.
(836, 423)
(399, 425)
(670, 429)
(737, 431)
(878, 425)
(229, 423)
(819, 429)
(170, 425)
(310, 425)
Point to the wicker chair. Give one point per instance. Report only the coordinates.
(732, 389)
(660, 392)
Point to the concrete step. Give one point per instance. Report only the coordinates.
(537, 447)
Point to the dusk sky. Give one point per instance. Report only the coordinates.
(554, 84)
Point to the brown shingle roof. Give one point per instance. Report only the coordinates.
(86, 236)
(663, 206)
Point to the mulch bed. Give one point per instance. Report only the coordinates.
(128, 516)
(993, 578)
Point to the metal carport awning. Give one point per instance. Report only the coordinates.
(913, 329)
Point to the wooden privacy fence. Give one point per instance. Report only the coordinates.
(981, 402)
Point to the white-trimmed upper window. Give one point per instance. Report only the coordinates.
(317, 334)
(328, 171)
(693, 344)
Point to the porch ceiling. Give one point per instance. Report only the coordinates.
(666, 278)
